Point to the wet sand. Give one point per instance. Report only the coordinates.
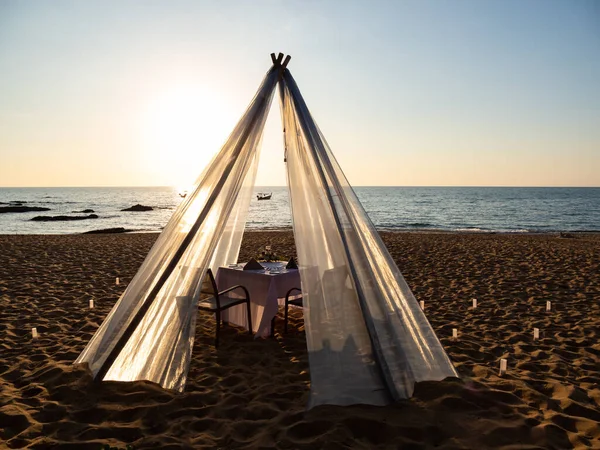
(252, 393)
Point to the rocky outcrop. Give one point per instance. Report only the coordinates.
(85, 211)
(21, 209)
(139, 208)
(62, 218)
(565, 235)
(109, 231)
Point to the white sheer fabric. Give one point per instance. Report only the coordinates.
(204, 231)
(367, 338)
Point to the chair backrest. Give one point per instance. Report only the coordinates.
(209, 288)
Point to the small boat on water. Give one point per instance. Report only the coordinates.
(264, 196)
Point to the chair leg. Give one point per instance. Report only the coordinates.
(218, 320)
(273, 326)
(249, 318)
(285, 318)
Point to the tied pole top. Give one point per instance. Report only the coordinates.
(280, 63)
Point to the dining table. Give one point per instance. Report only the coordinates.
(267, 288)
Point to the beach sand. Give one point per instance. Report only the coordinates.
(252, 393)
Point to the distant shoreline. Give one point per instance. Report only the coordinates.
(399, 209)
(284, 185)
(380, 230)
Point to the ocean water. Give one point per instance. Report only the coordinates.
(475, 209)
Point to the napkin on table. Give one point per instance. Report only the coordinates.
(253, 265)
(291, 264)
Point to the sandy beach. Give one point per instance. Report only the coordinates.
(252, 393)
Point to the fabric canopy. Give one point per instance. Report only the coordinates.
(368, 340)
(205, 231)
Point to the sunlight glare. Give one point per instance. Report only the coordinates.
(184, 127)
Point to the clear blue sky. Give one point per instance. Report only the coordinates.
(407, 92)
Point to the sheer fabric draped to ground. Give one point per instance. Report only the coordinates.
(205, 231)
(368, 340)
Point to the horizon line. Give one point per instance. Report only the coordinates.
(283, 185)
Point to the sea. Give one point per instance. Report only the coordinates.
(452, 209)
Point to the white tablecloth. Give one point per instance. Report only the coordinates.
(265, 288)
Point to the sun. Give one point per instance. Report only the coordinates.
(183, 126)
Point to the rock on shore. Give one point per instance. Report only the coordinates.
(138, 207)
(21, 209)
(62, 218)
(109, 231)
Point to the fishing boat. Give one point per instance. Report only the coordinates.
(264, 196)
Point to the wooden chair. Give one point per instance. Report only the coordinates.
(212, 300)
(288, 302)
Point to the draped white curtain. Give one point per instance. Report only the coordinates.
(368, 340)
(205, 231)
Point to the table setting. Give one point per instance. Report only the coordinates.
(267, 281)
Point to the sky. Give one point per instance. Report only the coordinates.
(407, 93)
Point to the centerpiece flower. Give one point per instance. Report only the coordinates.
(267, 254)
